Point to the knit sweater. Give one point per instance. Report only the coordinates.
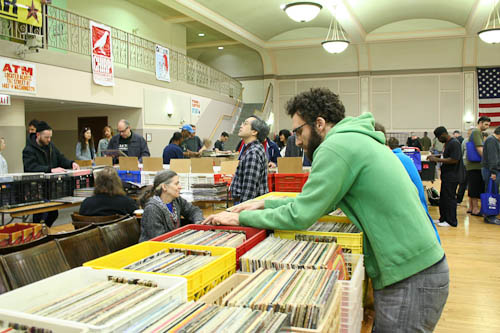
(157, 219)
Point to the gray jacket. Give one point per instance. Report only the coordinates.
(156, 219)
(86, 154)
(491, 154)
(137, 146)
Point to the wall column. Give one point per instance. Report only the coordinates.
(12, 128)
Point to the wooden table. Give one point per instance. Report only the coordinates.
(20, 212)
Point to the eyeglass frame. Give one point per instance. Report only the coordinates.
(296, 130)
(120, 132)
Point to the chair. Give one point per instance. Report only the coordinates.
(34, 264)
(71, 233)
(24, 246)
(121, 234)
(83, 247)
(4, 282)
(80, 221)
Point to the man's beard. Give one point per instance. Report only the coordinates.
(314, 142)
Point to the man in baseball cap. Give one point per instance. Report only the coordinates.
(191, 144)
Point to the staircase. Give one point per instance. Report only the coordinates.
(247, 111)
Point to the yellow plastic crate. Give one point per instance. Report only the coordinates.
(198, 282)
(351, 243)
(326, 218)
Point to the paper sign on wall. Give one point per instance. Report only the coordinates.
(24, 11)
(162, 63)
(102, 54)
(195, 107)
(17, 76)
(4, 100)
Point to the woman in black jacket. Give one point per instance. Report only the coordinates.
(109, 197)
(163, 207)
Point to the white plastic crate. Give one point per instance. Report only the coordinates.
(148, 177)
(185, 182)
(352, 291)
(201, 178)
(14, 304)
(355, 325)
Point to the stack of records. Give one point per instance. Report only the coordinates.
(173, 261)
(305, 294)
(209, 192)
(337, 212)
(200, 317)
(334, 227)
(84, 192)
(101, 302)
(280, 253)
(227, 238)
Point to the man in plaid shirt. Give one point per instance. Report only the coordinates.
(250, 179)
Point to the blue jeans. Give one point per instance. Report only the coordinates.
(414, 304)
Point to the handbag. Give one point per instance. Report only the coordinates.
(489, 200)
(472, 153)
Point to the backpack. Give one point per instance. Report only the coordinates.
(433, 196)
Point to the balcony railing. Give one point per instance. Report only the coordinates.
(70, 32)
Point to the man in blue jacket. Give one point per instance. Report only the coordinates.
(173, 150)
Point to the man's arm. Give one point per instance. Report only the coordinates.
(31, 164)
(144, 148)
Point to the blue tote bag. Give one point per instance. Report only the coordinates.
(490, 200)
(472, 153)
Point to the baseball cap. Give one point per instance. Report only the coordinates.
(187, 128)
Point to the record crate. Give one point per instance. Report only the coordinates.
(15, 304)
(59, 185)
(351, 304)
(351, 243)
(19, 233)
(254, 236)
(289, 182)
(270, 181)
(330, 324)
(198, 282)
(8, 191)
(83, 178)
(130, 176)
(223, 178)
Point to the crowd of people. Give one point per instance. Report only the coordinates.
(352, 160)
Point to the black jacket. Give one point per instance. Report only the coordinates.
(36, 159)
(105, 205)
(137, 146)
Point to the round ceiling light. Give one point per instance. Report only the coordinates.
(220, 48)
(491, 36)
(335, 46)
(201, 34)
(302, 11)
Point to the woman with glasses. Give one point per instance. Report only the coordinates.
(85, 149)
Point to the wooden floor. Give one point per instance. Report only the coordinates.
(473, 253)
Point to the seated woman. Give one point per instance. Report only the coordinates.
(163, 207)
(85, 149)
(109, 197)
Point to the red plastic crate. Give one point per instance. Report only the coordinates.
(254, 236)
(223, 178)
(289, 182)
(270, 181)
(19, 233)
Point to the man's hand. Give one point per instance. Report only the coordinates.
(271, 165)
(224, 218)
(57, 170)
(494, 176)
(248, 206)
(75, 166)
(432, 158)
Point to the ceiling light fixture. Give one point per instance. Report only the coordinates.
(220, 48)
(336, 40)
(491, 32)
(302, 11)
(201, 34)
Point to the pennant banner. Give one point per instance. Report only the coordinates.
(17, 76)
(102, 54)
(162, 63)
(24, 11)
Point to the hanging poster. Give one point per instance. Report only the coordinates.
(17, 76)
(24, 11)
(195, 107)
(162, 63)
(102, 54)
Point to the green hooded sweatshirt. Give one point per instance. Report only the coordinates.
(352, 169)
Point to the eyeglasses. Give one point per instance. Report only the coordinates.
(298, 130)
(118, 130)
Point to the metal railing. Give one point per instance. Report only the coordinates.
(70, 32)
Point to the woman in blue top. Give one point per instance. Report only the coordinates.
(173, 150)
(85, 149)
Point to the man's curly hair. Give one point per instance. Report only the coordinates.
(317, 102)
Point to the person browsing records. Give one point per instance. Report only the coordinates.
(128, 142)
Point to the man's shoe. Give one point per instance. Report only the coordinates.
(492, 220)
(444, 224)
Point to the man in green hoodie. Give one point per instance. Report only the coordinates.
(353, 170)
